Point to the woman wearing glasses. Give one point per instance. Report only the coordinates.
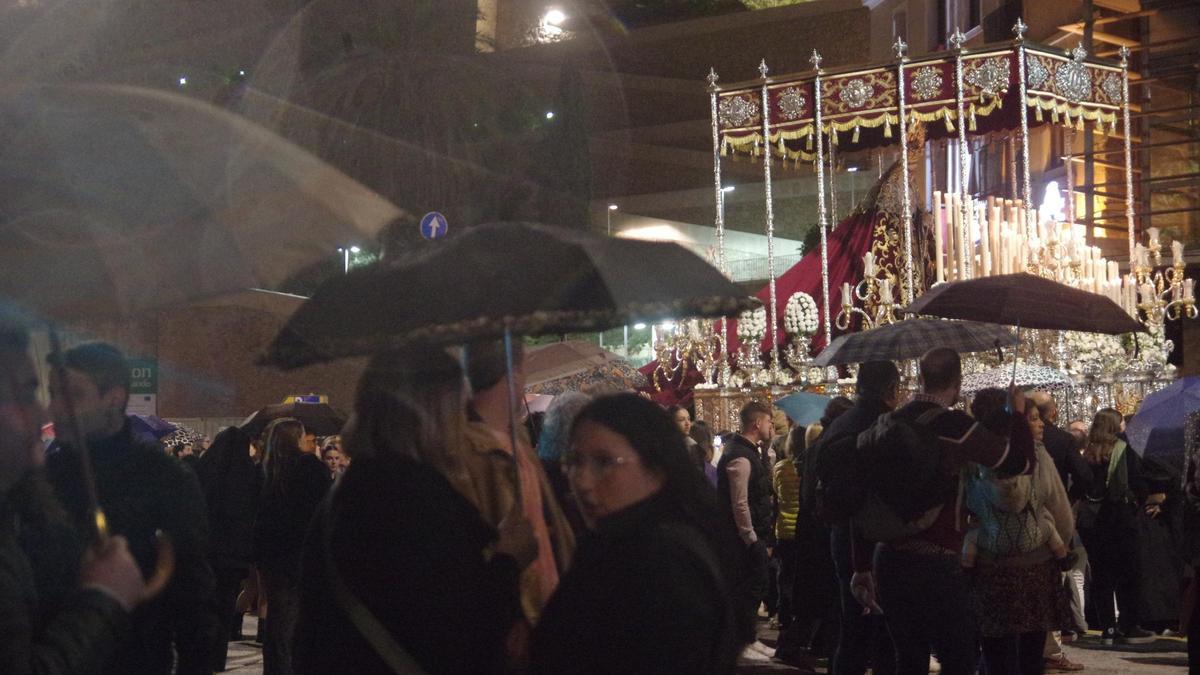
(647, 591)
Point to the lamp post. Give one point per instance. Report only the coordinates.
(346, 257)
(608, 214)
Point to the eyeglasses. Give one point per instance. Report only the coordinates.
(572, 464)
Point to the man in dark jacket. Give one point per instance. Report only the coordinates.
(56, 615)
(862, 639)
(922, 587)
(744, 494)
(1060, 445)
(142, 491)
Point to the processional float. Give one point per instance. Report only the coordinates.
(963, 94)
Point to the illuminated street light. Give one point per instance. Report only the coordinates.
(555, 17)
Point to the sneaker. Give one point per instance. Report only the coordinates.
(1136, 635)
(1062, 664)
(761, 648)
(1108, 637)
(750, 654)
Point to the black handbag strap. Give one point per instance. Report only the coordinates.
(375, 633)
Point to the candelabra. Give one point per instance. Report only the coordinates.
(1164, 294)
(690, 341)
(874, 293)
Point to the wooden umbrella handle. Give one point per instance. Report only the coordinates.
(164, 566)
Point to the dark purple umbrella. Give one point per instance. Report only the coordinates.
(150, 427)
(1028, 301)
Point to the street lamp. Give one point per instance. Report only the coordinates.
(346, 257)
(608, 214)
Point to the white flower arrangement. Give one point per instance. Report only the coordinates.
(1095, 353)
(800, 315)
(752, 325)
(1151, 351)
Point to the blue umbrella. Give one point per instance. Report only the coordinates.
(802, 407)
(150, 427)
(1152, 430)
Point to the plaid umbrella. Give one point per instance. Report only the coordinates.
(1040, 377)
(911, 338)
(1028, 301)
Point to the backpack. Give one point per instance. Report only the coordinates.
(840, 490)
(1008, 513)
(905, 476)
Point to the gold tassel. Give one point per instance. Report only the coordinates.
(833, 135)
(971, 119)
(1054, 115)
(854, 138)
(887, 127)
(808, 145)
(782, 146)
(1037, 112)
(1067, 117)
(948, 119)
(1079, 122)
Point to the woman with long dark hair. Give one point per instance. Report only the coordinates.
(294, 483)
(1108, 524)
(399, 544)
(649, 590)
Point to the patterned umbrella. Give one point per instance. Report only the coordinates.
(1040, 377)
(578, 366)
(912, 338)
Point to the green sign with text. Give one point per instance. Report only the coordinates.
(143, 376)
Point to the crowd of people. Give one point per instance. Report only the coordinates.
(614, 536)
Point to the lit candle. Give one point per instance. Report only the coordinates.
(868, 265)
(885, 290)
(1114, 271)
(985, 252)
(1153, 231)
(1189, 289)
(1147, 292)
(939, 222)
(1177, 253)
(847, 299)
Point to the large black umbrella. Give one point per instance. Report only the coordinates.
(911, 339)
(518, 278)
(321, 419)
(1028, 301)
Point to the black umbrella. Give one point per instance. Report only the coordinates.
(502, 279)
(912, 338)
(321, 419)
(516, 277)
(1028, 301)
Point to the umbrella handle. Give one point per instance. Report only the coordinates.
(75, 438)
(512, 415)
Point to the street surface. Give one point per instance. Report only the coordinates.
(1163, 657)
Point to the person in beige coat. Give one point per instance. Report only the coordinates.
(497, 477)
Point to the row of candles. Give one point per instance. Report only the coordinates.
(1007, 236)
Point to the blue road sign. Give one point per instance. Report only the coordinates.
(434, 225)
